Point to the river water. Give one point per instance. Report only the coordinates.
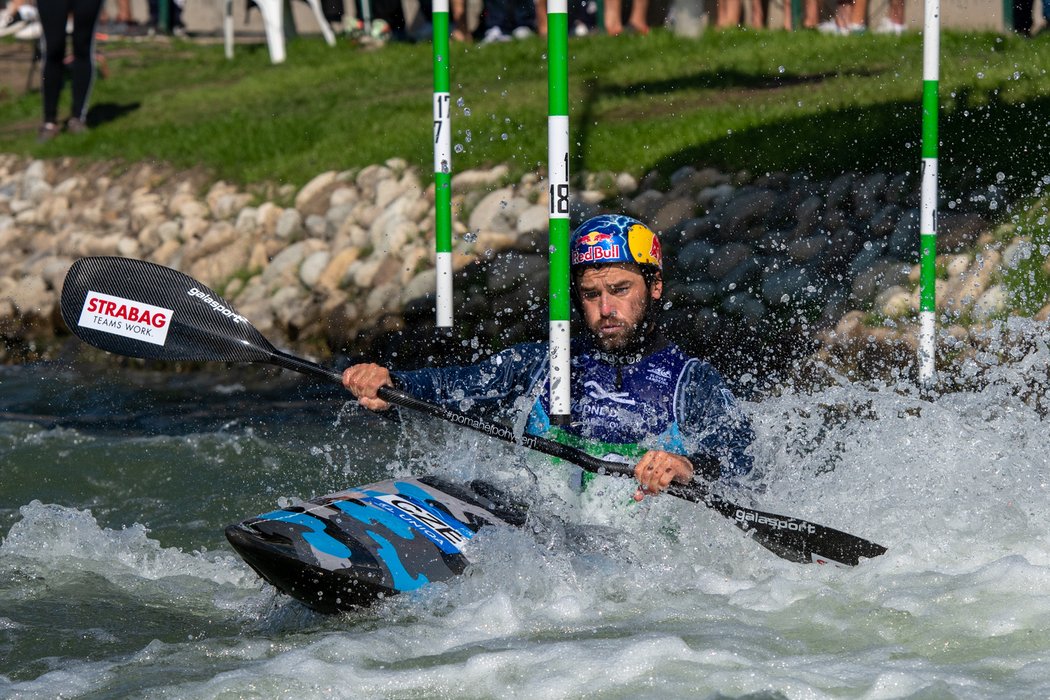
(116, 581)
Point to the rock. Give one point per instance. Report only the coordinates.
(896, 302)
(807, 248)
(992, 303)
(884, 222)
(726, 258)
(314, 195)
(693, 259)
(316, 226)
(867, 193)
(671, 213)
(885, 272)
(489, 208)
(744, 213)
(785, 286)
(335, 276)
(479, 179)
(956, 232)
(904, 241)
(626, 184)
(289, 225)
(508, 271)
(312, 267)
(808, 216)
(1017, 252)
(644, 205)
(532, 219)
(839, 190)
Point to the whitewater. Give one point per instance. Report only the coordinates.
(115, 580)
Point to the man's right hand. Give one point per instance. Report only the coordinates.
(364, 381)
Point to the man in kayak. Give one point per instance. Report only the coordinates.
(634, 394)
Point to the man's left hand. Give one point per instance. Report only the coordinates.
(657, 469)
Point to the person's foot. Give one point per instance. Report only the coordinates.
(888, 26)
(76, 126)
(48, 131)
(10, 22)
(832, 27)
(522, 32)
(29, 32)
(494, 35)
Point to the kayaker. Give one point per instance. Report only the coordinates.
(634, 394)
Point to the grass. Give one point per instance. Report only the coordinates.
(736, 100)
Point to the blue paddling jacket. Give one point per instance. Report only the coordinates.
(622, 405)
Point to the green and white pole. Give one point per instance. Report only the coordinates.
(558, 172)
(442, 165)
(931, 41)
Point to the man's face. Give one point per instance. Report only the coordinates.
(614, 300)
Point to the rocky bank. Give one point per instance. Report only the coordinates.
(761, 270)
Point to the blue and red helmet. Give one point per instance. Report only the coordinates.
(613, 238)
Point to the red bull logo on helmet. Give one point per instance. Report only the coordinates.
(596, 247)
(615, 239)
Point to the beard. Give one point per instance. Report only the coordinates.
(629, 338)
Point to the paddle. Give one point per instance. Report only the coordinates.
(139, 309)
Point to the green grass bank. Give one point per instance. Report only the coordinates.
(734, 100)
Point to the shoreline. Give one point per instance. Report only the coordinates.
(780, 268)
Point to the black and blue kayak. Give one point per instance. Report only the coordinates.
(350, 548)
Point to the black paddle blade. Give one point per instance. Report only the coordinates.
(139, 309)
(805, 542)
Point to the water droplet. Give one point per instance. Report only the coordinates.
(504, 137)
(780, 69)
(470, 236)
(980, 74)
(459, 148)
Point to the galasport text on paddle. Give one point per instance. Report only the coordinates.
(140, 309)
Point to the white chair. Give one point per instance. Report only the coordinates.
(272, 12)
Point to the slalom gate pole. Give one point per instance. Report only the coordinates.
(931, 40)
(442, 165)
(558, 173)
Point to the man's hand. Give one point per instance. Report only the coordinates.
(364, 381)
(657, 469)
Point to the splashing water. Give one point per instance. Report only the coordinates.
(115, 582)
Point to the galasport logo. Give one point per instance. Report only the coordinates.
(744, 516)
(217, 306)
(125, 317)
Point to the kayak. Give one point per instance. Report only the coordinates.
(350, 548)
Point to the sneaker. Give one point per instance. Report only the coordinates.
(888, 26)
(494, 35)
(47, 132)
(30, 32)
(856, 29)
(76, 126)
(522, 32)
(831, 27)
(10, 23)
